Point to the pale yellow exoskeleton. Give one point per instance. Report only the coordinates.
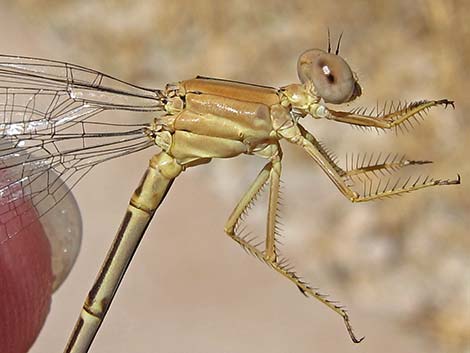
(206, 118)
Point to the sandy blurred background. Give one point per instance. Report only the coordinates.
(401, 266)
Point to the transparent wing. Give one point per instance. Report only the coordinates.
(51, 119)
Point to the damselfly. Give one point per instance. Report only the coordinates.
(53, 132)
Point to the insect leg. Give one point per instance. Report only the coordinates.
(271, 172)
(370, 164)
(390, 117)
(339, 177)
(356, 167)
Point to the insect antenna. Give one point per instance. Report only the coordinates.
(339, 42)
(329, 41)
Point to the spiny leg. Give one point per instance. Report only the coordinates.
(357, 166)
(339, 176)
(274, 181)
(281, 266)
(401, 187)
(365, 164)
(247, 200)
(388, 118)
(271, 172)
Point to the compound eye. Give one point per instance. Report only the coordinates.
(330, 74)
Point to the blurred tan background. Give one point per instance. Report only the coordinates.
(401, 266)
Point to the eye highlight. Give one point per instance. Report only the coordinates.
(327, 72)
(330, 74)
